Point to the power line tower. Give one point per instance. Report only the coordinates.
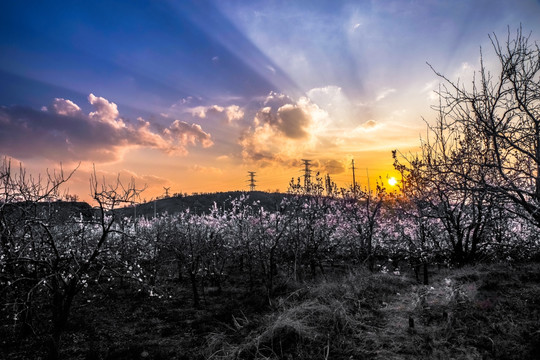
(353, 178)
(307, 175)
(252, 180)
(166, 191)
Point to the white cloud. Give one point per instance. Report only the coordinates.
(106, 111)
(184, 134)
(234, 113)
(228, 114)
(383, 94)
(64, 107)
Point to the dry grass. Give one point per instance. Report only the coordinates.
(328, 320)
(472, 313)
(482, 312)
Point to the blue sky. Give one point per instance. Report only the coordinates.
(192, 94)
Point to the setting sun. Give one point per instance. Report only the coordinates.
(392, 181)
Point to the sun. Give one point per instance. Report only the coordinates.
(392, 181)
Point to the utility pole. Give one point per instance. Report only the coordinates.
(252, 180)
(353, 179)
(368, 184)
(328, 184)
(134, 214)
(307, 175)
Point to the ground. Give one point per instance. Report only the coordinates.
(477, 312)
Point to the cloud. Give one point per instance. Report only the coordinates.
(62, 132)
(332, 99)
(293, 121)
(141, 180)
(325, 94)
(331, 167)
(282, 130)
(64, 107)
(257, 144)
(183, 134)
(208, 170)
(384, 94)
(228, 115)
(290, 120)
(199, 111)
(367, 126)
(234, 112)
(429, 86)
(106, 112)
(150, 183)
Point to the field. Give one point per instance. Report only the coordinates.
(480, 312)
(297, 276)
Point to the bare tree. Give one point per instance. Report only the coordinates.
(28, 248)
(495, 123)
(48, 260)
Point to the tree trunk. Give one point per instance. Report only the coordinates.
(272, 269)
(196, 299)
(61, 306)
(313, 267)
(179, 274)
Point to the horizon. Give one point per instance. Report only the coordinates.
(193, 95)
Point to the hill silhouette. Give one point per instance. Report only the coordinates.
(200, 203)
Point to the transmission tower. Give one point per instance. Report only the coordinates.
(353, 178)
(166, 191)
(252, 180)
(307, 175)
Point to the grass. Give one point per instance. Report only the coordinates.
(484, 312)
(331, 319)
(481, 312)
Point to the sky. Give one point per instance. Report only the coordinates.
(191, 95)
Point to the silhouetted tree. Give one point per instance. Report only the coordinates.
(48, 259)
(495, 123)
